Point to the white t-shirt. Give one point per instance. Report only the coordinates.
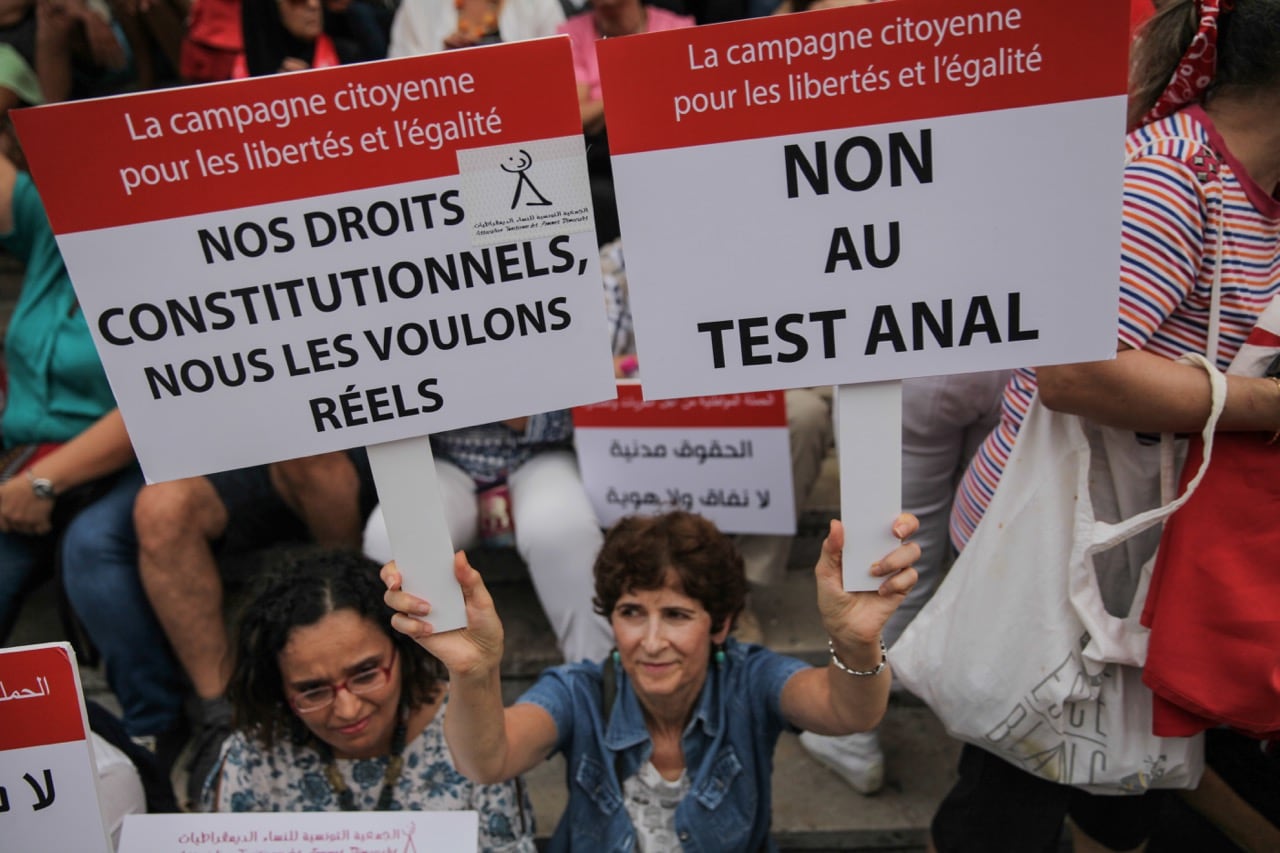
(120, 791)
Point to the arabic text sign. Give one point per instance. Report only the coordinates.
(48, 792)
(350, 832)
(899, 189)
(309, 262)
(727, 458)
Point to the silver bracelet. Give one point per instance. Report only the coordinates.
(839, 664)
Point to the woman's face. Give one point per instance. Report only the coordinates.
(664, 639)
(341, 645)
(303, 19)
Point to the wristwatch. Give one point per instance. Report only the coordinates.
(42, 487)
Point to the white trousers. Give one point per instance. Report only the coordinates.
(809, 427)
(557, 536)
(944, 419)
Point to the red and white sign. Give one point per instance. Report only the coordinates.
(307, 262)
(725, 457)
(48, 780)
(897, 189)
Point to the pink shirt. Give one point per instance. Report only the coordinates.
(582, 30)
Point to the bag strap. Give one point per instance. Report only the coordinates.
(1206, 163)
(1108, 534)
(1113, 638)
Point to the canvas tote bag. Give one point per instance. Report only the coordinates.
(1017, 652)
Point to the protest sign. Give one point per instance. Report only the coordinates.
(726, 458)
(308, 262)
(48, 779)
(350, 832)
(870, 193)
(301, 263)
(901, 189)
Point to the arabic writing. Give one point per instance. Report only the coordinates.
(44, 796)
(42, 689)
(634, 500)
(686, 450)
(384, 840)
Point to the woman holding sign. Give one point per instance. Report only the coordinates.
(670, 739)
(1201, 201)
(336, 712)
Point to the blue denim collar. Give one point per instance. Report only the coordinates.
(626, 728)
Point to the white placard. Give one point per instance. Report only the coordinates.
(347, 832)
(48, 776)
(727, 458)
(303, 263)
(870, 193)
(815, 301)
(740, 478)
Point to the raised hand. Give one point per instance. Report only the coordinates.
(859, 617)
(475, 649)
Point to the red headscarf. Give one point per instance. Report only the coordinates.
(1195, 71)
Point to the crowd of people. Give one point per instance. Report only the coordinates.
(325, 687)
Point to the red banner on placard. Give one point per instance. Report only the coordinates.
(854, 67)
(761, 409)
(199, 149)
(39, 699)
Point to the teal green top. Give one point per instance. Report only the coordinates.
(57, 386)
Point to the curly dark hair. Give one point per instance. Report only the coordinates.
(300, 588)
(640, 550)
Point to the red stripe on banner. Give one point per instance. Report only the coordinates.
(857, 66)
(1261, 337)
(39, 703)
(199, 149)
(630, 409)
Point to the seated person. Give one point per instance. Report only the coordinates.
(181, 524)
(322, 682)
(607, 19)
(359, 28)
(671, 738)
(68, 476)
(428, 26)
(286, 35)
(525, 467)
(80, 51)
(154, 30)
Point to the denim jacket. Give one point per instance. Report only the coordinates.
(728, 749)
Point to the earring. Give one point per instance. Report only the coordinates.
(616, 656)
(718, 654)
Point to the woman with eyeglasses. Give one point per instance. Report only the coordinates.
(335, 711)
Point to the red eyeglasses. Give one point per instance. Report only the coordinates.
(368, 681)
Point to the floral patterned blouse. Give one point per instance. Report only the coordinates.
(291, 778)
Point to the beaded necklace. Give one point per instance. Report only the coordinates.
(347, 800)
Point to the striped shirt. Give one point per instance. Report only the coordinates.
(1168, 251)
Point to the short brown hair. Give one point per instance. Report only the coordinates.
(639, 550)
